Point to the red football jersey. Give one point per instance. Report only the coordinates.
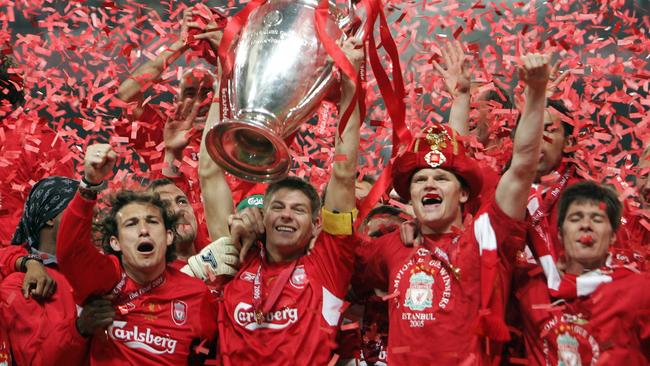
(157, 326)
(41, 332)
(609, 326)
(301, 327)
(435, 290)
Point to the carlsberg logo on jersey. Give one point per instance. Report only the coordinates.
(280, 319)
(142, 339)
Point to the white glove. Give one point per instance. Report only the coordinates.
(219, 258)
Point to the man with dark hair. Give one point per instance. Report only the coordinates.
(39, 320)
(162, 312)
(603, 305)
(186, 229)
(447, 296)
(284, 304)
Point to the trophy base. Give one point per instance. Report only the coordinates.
(248, 151)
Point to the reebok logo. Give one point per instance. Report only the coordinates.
(146, 340)
(280, 319)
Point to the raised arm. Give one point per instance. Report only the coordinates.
(217, 197)
(340, 189)
(514, 187)
(132, 89)
(88, 271)
(457, 79)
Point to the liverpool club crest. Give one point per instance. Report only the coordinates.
(179, 312)
(419, 295)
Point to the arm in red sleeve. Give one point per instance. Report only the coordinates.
(8, 257)
(88, 271)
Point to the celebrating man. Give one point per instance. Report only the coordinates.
(602, 305)
(162, 312)
(449, 292)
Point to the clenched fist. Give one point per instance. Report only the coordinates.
(98, 162)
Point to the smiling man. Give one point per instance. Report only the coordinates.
(161, 311)
(603, 317)
(447, 295)
(284, 305)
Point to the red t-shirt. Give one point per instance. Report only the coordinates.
(155, 328)
(436, 288)
(610, 326)
(41, 333)
(301, 327)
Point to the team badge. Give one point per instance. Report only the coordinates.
(572, 342)
(299, 277)
(419, 295)
(179, 312)
(435, 158)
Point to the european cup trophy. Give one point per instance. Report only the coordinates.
(281, 73)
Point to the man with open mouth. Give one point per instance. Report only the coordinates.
(446, 296)
(161, 311)
(601, 305)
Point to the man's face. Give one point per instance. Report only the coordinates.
(186, 226)
(587, 233)
(552, 146)
(288, 221)
(643, 182)
(142, 237)
(197, 84)
(436, 196)
(361, 189)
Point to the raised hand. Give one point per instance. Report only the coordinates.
(535, 70)
(554, 80)
(245, 228)
(207, 24)
(456, 74)
(98, 162)
(178, 131)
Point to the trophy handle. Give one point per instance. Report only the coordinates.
(351, 24)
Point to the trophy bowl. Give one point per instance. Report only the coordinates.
(281, 73)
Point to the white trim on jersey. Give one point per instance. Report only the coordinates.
(331, 308)
(484, 233)
(553, 278)
(589, 282)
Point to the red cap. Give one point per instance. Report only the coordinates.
(436, 147)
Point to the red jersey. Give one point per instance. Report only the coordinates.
(609, 324)
(162, 319)
(301, 326)
(41, 333)
(439, 290)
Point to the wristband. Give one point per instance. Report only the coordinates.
(23, 261)
(84, 184)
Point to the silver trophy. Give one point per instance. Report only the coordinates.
(280, 75)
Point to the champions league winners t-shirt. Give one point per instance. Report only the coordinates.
(435, 290)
